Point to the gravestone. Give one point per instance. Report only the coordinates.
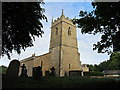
(37, 72)
(34, 72)
(52, 71)
(47, 73)
(23, 71)
(13, 69)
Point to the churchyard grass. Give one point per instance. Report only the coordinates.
(62, 82)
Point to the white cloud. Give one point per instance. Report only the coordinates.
(85, 45)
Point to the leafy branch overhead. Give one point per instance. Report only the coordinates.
(104, 19)
(21, 22)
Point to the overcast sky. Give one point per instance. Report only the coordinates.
(85, 41)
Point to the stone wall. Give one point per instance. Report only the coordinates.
(44, 61)
(85, 68)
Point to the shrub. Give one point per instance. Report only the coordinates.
(93, 74)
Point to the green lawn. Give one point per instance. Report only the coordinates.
(62, 82)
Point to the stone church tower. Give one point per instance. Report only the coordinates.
(63, 46)
(63, 51)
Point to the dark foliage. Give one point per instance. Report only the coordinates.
(104, 19)
(21, 22)
(3, 69)
(94, 73)
(112, 64)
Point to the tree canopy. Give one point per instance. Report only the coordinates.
(21, 22)
(112, 64)
(3, 69)
(104, 19)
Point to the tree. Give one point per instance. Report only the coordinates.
(112, 64)
(115, 60)
(104, 19)
(103, 66)
(3, 69)
(21, 22)
(92, 67)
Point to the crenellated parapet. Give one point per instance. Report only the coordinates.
(62, 18)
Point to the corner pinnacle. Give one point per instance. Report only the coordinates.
(52, 19)
(62, 12)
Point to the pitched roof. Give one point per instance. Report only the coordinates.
(111, 72)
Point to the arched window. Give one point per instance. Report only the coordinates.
(69, 31)
(56, 31)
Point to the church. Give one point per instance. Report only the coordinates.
(63, 52)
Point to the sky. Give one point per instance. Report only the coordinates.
(85, 41)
